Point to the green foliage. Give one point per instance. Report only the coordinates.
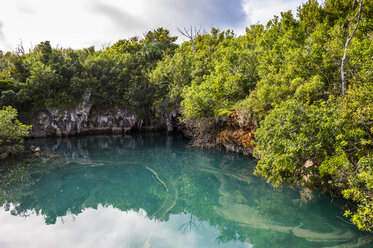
(232, 77)
(351, 166)
(169, 78)
(284, 75)
(110, 78)
(11, 132)
(119, 76)
(8, 98)
(326, 144)
(291, 134)
(309, 91)
(208, 81)
(6, 85)
(50, 77)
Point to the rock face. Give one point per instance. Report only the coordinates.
(121, 121)
(235, 132)
(69, 122)
(54, 122)
(172, 120)
(238, 134)
(235, 146)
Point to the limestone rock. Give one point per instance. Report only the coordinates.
(35, 149)
(308, 163)
(122, 120)
(54, 122)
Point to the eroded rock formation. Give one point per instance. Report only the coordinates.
(54, 122)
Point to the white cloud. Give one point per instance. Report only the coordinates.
(82, 23)
(263, 11)
(25, 6)
(3, 38)
(103, 227)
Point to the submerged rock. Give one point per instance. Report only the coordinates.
(35, 149)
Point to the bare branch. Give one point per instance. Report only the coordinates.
(73, 64)
(20, 50)
(190, 34)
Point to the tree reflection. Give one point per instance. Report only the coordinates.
(161, 176)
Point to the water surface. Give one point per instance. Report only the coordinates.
(156, 191)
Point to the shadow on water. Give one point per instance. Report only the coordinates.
(161, 179)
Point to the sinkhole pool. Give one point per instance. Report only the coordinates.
(156, 191)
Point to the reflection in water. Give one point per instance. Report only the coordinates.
(153, 191)
(103, 227)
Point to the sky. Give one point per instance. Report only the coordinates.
(105, 227)
(83, 23)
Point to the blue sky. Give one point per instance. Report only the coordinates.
(82, 23)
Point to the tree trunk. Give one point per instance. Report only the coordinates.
(343, 73)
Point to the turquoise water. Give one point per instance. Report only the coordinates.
(156, 191)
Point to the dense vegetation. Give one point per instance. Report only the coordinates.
(49, 77)
(11, 132)
(286, 76)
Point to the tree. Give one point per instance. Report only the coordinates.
(11, 132)
(191, 34)
(292, 134)
(343, 73)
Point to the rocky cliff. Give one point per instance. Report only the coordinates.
(238, 133)
(54, 122)
(235, 132)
